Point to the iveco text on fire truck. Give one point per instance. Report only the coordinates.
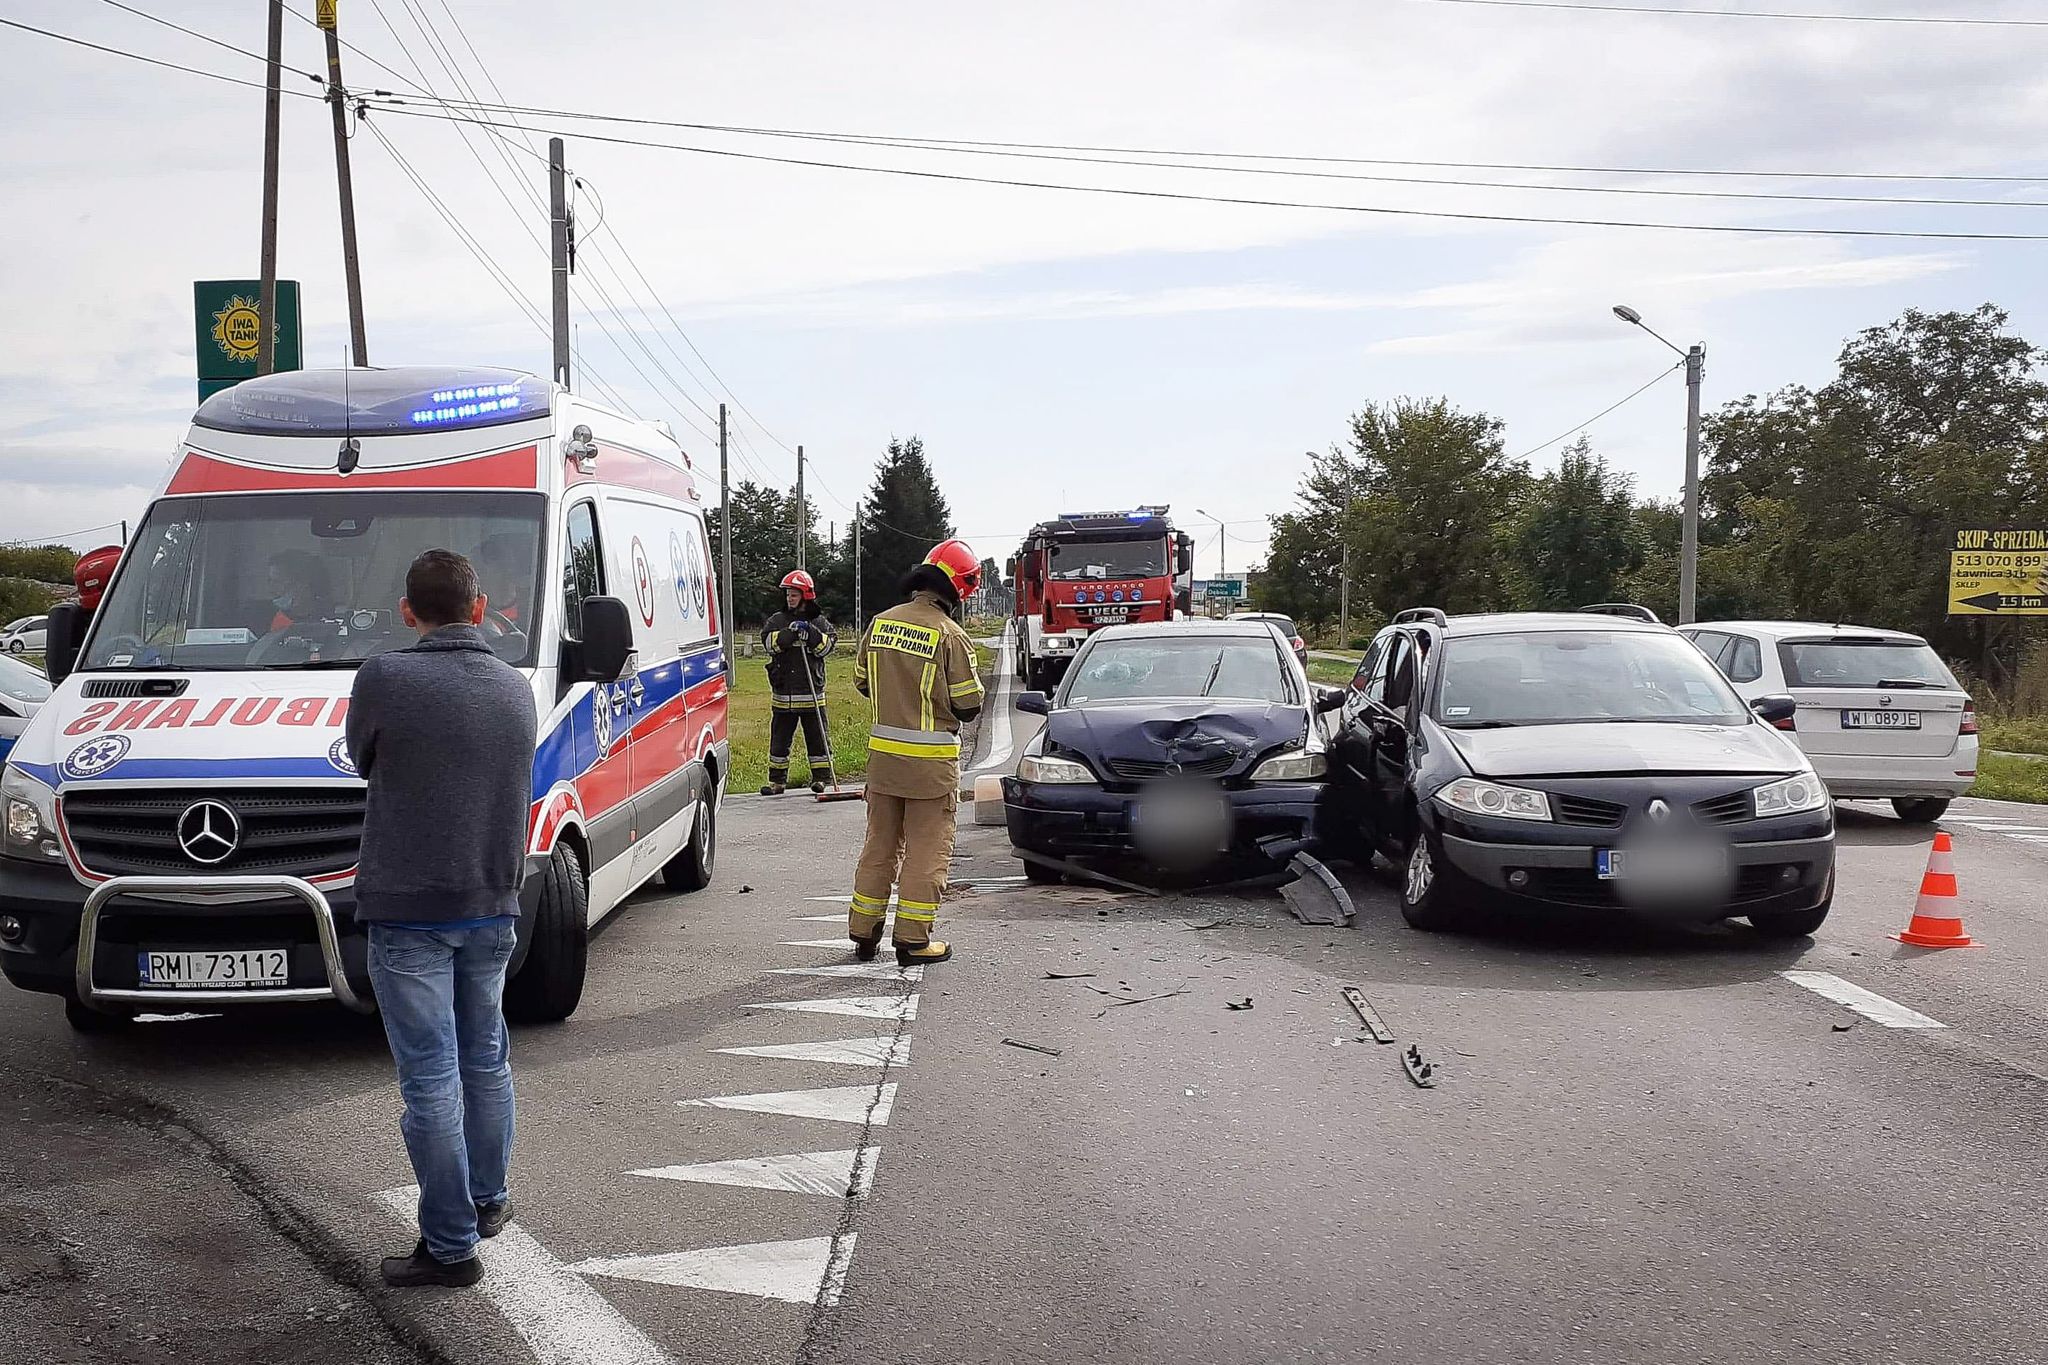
(182, 816)
(1086, 570)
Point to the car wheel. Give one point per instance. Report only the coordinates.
(14, 647)
(690, 870)
(83, 1018)
(1792, 923)
(1920, 810)
(1038, 874)
(1425, 900)
(550, 982)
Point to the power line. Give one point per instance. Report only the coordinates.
(208, 38)
(1750, 14)
(1662, 375)
(914, 143)
(1377, 210)
(153, 61)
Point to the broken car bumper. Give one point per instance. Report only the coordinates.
(1078, 820)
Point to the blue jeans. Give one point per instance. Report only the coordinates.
(441, 992)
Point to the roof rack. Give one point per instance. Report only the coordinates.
(1629, 609)
(1433, 615)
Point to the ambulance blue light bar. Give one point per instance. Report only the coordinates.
(367, 402)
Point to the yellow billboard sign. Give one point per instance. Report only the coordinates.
(1999, 572)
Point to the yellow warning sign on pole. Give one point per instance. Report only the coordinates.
(323, 13)
(2002, 572)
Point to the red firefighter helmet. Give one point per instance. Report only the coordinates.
(957, 560)
(91, 575)
(801, 581)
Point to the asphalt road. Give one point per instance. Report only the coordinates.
(1642, 1146)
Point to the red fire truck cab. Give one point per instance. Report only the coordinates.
(1085, 570)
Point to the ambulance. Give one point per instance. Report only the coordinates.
(182, 818)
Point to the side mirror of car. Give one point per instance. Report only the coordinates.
(607, 644)
(65, 633)
(1329, 699)
(1775, 708)
(1034, 703)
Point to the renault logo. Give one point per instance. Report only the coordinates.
(209, 832)
(1659, 811)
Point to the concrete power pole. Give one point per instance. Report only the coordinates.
(725, 550)
(558, 249)
(859, 619)
(1343, 595)
(266, 327)
(1689, 548)
(337, 103)
(801, 528)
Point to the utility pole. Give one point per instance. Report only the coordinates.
(801, 528)
(1689, 548)
(859, 619)
(266, 325)
(1344, 596)
(337, 103)
(725, 551)
(558, 248)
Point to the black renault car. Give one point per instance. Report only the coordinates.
(1578, 760)
(1190, 747)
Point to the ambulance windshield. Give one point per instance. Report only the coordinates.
(1074, 559)
(308, 580)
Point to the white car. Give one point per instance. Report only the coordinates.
(23, 691)
(1879, 713)
(26, 636)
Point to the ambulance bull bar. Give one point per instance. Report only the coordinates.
(215, 888)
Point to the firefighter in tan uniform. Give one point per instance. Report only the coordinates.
(916, 668)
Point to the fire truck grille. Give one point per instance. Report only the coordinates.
(289, 831)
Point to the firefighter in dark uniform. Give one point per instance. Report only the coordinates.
(916, 667)
(799, 640)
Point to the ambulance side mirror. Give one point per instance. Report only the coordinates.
(66, 633)
(607, 644)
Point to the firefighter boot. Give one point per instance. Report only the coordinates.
(920, 954)
(867, 949)
(772, 789)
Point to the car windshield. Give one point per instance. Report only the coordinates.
(299, 580)
(22, 683)
(1189, 666)
(1863, 663)
(1109, 558)
(1565, 676)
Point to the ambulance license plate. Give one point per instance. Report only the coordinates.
(230, 969)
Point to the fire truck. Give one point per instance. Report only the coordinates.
(1084, 570)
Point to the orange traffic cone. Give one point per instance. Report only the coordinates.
(1936, 923)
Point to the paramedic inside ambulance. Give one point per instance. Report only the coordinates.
(505, 569)
(298, 588)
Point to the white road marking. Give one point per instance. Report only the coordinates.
(866, 971)
(1002, 739)
(886, 1050)
(816, 943)
(826, 1173)
(819, 919)
(1869, 1004)
(794, 1272)
(859, 1006)
(562, 1320)
(838, 1103)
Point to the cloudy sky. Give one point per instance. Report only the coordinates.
(1055, 349)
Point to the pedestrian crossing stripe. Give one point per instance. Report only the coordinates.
(860, 1006)
(831, 1174)
(865, 1104)
(805, 1271)
(886, 1050)
(866, 971)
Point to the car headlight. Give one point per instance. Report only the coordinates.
(1039, 768)
(1476, 797)
(30, 827)
(1296, 765)
(1058, 642)
(1790, 796)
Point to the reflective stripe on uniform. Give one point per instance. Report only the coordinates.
(971, 688)
(895, 739)
(917, 910)
(869, 904)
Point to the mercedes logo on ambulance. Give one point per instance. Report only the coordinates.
(209, 832)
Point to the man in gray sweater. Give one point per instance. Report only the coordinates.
(443, 733)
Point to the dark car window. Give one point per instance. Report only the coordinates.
(1863, 663)
(1402, 655)
(1371, 678)
(1145, 666)
(1714, 645)
(1565, 676)
(1745, 662)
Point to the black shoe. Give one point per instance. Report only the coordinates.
(420, 1269)
(866, 949)
(491, 1218)
(772, 789)
(919, 954)
(818, 787)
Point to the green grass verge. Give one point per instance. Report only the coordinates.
(2011, 779)
(2021, 736)
(1334, 672)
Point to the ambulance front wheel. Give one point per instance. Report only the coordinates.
(690, 870)
(550, 982)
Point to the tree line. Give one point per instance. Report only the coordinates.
(1833, 504)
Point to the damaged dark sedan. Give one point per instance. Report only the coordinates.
(1193, 748)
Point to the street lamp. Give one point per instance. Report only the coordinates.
(1222, 543)
(1689, 548)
